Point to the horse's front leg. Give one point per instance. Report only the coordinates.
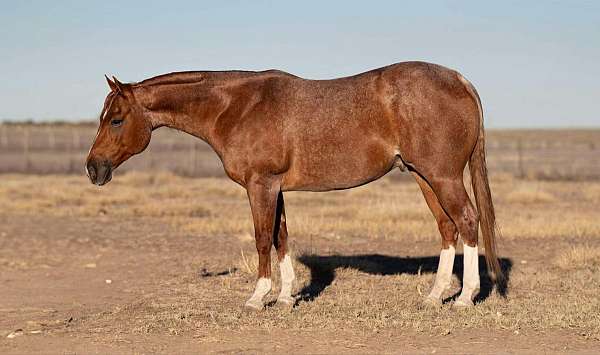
(262, 193)
(283, 255)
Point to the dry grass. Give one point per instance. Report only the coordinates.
(389, 217)
(579, 257)
(385, 209)
(541, 301)
(530, 194)
(248, 263)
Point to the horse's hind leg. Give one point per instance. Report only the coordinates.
(453, 197)
(285, 261)
(449, 234)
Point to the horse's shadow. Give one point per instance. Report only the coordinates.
(323, 268)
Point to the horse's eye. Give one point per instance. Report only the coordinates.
(116, 122)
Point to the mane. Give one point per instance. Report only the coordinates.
(173, 78)
(192, 77)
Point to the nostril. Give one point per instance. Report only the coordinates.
(91, 172)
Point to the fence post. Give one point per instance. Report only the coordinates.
(51, 138)
(149, 162)
(26, 149)
(76, 139)
(3, 137)
(521, 172)
(73, 150)
(193, 158)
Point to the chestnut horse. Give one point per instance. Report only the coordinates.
(276, 132)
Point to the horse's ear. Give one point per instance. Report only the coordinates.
(118, 84)
(113, 86)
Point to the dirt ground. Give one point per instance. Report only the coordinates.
(155, 263)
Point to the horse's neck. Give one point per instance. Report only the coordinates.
(193, 109)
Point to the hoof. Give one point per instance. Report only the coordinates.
(254, 306)
(432, 302)
(462, 303)
(285, 302)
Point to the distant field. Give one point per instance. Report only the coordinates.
(61, 149)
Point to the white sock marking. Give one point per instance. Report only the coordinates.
(263, 287)
(287, 278)
(444, 273)
(471, 283)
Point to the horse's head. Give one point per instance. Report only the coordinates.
(123, 132)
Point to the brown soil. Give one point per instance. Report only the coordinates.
(172, 292)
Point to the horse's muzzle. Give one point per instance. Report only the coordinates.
(99, 172)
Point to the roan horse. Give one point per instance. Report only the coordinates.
(276, 132)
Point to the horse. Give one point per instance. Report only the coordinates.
(276, 132)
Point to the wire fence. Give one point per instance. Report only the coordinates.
(62, 149)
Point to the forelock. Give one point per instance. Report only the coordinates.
(110, 98)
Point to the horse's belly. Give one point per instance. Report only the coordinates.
(332, 169)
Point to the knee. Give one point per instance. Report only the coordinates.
(448, 230)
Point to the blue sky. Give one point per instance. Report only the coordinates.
(535, 64)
